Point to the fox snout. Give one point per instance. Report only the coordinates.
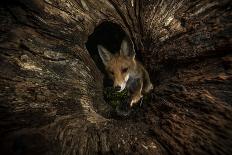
(120, 85)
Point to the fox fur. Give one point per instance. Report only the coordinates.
(126, 71)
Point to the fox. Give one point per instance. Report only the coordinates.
(125, 71)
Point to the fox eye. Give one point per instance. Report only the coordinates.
(124, 70)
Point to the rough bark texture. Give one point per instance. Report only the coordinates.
(51, 90)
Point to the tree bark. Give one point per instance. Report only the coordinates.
(51, 90)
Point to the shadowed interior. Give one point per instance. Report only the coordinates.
(110, 36)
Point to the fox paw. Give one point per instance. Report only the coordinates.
(132, 102)
(135, 100)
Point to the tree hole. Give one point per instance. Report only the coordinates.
(109, 35)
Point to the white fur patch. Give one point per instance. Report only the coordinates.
(123, 85)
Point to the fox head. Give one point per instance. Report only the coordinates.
(120, 65)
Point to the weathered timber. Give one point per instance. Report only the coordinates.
(51, 90)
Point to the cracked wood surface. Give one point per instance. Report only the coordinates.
(51, 90)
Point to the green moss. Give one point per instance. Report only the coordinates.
(113, 97)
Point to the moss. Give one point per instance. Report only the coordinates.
(115, 98)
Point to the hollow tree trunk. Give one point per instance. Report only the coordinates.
(51, 89)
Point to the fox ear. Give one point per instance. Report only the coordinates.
(104, 54)
(127, 48)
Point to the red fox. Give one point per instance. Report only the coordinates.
(126, 71)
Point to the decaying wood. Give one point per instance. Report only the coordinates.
(51, 98)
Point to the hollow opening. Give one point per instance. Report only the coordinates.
(109, 35)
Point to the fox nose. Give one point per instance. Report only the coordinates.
(117, 88)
